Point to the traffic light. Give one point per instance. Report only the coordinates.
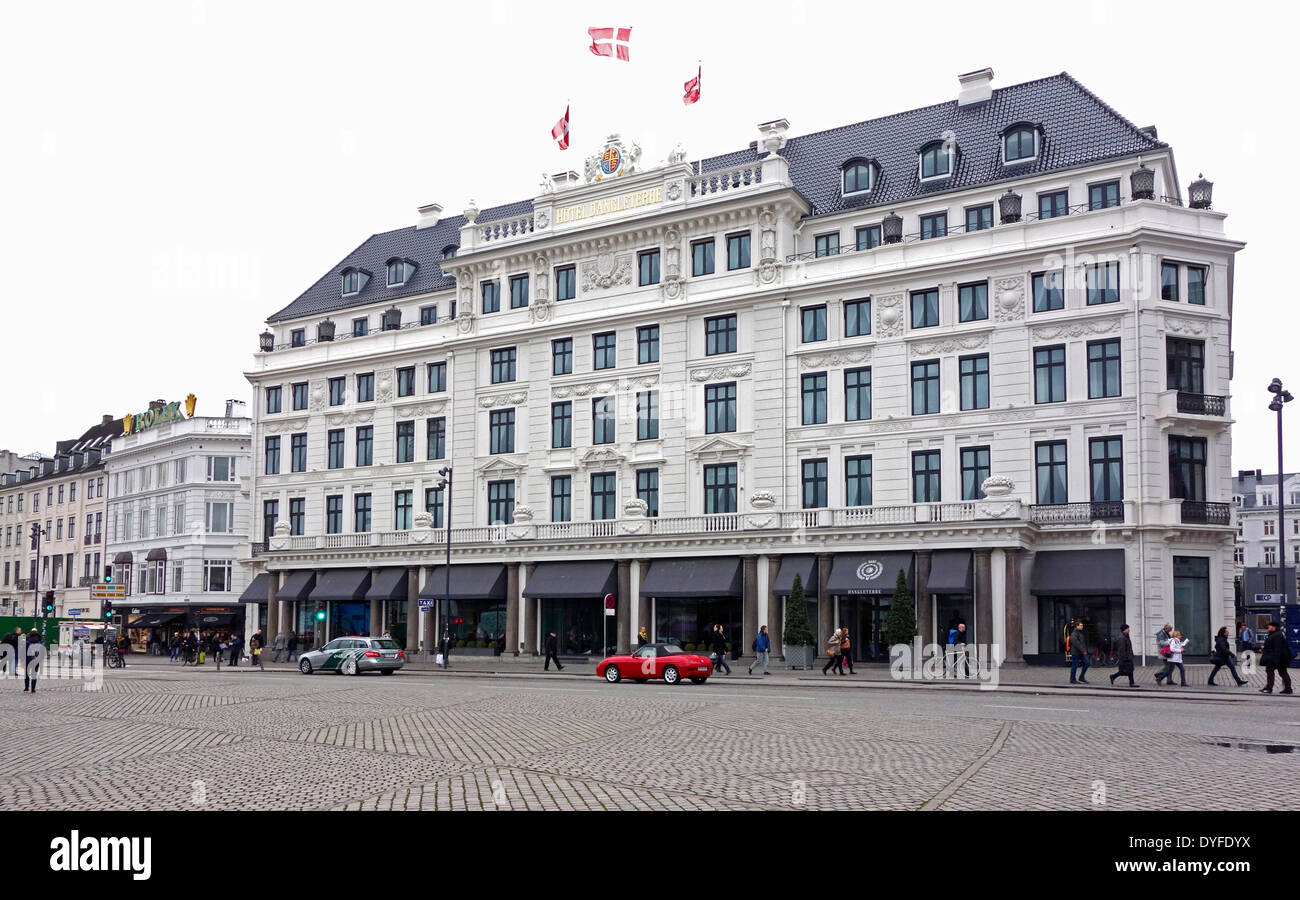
(320, 614)
(108, 574)
(48, 608)
(108, 609)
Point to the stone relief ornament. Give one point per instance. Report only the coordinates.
(515, 399)
(601, 388)
(1009, 299)
(673, 288)
(607, 269)
(317, 396)
(951, 345)
(543, 220)
(361, 417)
(1185, 326)
(762, 500)
(889, 315)
(769, 272)
(737, 371)
(548, 184)
(384, 386)
(677, 155)
(675, 189)
(997, 486)
(842, 358)
(541, 311)
(635, 508)
(618, 158)
(1078, 329)
(523, 513)
(465, 320)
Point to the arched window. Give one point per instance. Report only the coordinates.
(1019, 143)
(856, 178)
(936, 160)
(400, 271)
(449, 252)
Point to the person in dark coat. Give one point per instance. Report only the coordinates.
(642, 637)
(236, 648)
(293, 646)
(35, 652)
(444, 647)
(1078, 652)
(552, 649)
(12, 641)
(1222, 656)
(1124, 656)
(720, 648)
(258, 644)
(1276, 658)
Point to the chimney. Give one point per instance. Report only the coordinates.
(430, 213)
(157, 404)
(976, 87)
(236, 409)
(107, 420)
(1149, 131)
(564, 180)
(1259, 473)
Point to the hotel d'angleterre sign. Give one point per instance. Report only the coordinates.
(615, 160)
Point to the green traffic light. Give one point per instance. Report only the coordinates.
(320, 615)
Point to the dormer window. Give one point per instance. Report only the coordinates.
(449, 251)
(1019, 143)
(936, 160)
(400, 271)
(354, 280)
(857, 176)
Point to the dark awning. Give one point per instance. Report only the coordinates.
(122, 558)
(472, 582)
(577, 580)
(256, 590)
(341, 586)
(710, 576)
(213, 620)
(388, 584)
(803, 566)
(153, 620)
(950, 572)
(868, 573)
(1078, 573)
(156, 554)
(297, 587)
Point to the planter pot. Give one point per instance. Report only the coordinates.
(799, 657)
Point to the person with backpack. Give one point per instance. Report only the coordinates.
(1176, 645)
(1276, 658)
(1222, 656)
(1163, 637)
(762, 646)
(1124, 658)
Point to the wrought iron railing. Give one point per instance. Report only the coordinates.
(1202, 404)
(1196, 512)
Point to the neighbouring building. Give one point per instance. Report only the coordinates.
(984, 343)
(1255, 556)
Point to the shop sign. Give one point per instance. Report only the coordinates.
(134, 423)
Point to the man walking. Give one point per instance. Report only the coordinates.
(1276, 658)
(281, 641)
(1078, 652)
(258, 644)
(444, 649)
(762, 645)
(552, 651)
(1163, 637)
(1124, 657)
(35, 653)
(292, 646)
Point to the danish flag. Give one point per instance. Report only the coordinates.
(561, 130)
(611, 42)
(692, 94)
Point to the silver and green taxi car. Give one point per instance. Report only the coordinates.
(354, 655)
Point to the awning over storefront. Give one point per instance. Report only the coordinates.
(950, 572)
(572, 580)
(472, 582)
(156, 554)
(388, 584)
(805, 566)
(868, 573)
(296, 588)
(1078, 573)
(256, 590)
(153, 620)
(710, 576)
(341, 586)
(122, 559)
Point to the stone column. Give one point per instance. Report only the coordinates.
(512, 608)
(624, 606)
(412, 609)
(764, 604)
(924, 603)
(741, 643)
(775, 610)
(273, 619)
(530, 614)
(984, 630)
(824, 612)
(376, 611)
(643, 602)
(1014, 626)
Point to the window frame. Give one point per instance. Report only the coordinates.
(853, 410)
(566, 275)
(651, 258)
(814, 387)
(857, 305)
(1050, 366)
(976, 378)
(1058, 472)
(647, 344)
(966, 310)
(703, 260)
(1104, 363)
(926, 310)
(933, 475)
(717, 327)
(720, 405)
(739, 242)
(974, 461)
(562, 352)
(931, 385)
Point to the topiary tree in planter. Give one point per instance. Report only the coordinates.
(799, 643)
(899, 626)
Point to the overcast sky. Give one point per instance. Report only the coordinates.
(172, 173)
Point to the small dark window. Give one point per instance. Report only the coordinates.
(518, 291)
(366, 387)
(720, 408)
(814, 482)
(813, 320)
(1049, 374)
(298, 337)
(934, 226)
(925, 477)
(925, 308)
(406, 381)
(435, 433)
(338, 391)
(647, 344)
(1049, 291)
(272, 400)
(562, 356)
(491, 296)
(647, 262)
(1103, 196)
(1018, 144)
(501, 431)
(603, 350)
(647, 489)
(428, 315)
(1102, 283)
(974, 469)
(720, 335)
(826, 244)
(647, 415)
(738, 251)
(867, 236)
(857, 178)
(437, 377)
(813, 390)
(1050, 472)
(566, 283)
(360, 327)
(936, 161)
(405, 442)
(702, 257)
(602, 420)
(973, 301)
(562, 498)
(503, 365)
(857, 481)
(1103, 369)
(562, 424)
(974, 372)
(1052, 205)
(979, 218)
(857, 317)
(857, 394)
(925, 387)
(1196, 278)
(300, 395)
(1169, 281)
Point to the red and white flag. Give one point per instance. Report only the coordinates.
(611, 42)
(692, 94)
(561, 130)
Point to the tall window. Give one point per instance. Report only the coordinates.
(936, 161)
(647, 415)
(603, 347)
(437, 377)
(562, 356)
(1049, 290)
(647, 264)
(562, 424)
(702, 257)
(867, 236)
(1049, 374)
(647, 344)
(857, 317)
(973, 301)
(934, 226)
(366, 387)
(518, 291)
(503, 365)
(334, 442)
(719, 407)
(1187, 468)
(297, 515)
(925, 387)
(1054, 204)
(402, 510)
(647, 489)
(813, 394)
(1049, 471)
(491, 296)
(361, 513)
(720, 335)
(738, 251)
(925, 476)
(220, 468)
(406, 442)
(1103, 196)
(334, 514)
(434, 504)
(338, 392)
(974, 469)
(1102, 283)
(814, 484)
(1106, 460)
(720, 488)
(216, 576)
(501, 427)
(1103, 368)
(1185, 365)
(1169, 281)
(365, 444)
(501, 502)
(603, 495)
(298, 453)
(857, 394)
(974, 381)
(435, 433)
(273, 455)
(979, 218)
(566, 283)
(857, 481)
(925, 308)
(272, 400)
(813, 321)
(406, 381)
(1196, 278)
(602, 420)
(562, 498)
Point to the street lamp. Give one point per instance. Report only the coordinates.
(445, 472)
(1280, 398)
(37, 533)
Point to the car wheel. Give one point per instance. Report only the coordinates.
(304, 666)
(698, 680)
(349, 667)
(387, 671)
(671, 675)
(613, 675)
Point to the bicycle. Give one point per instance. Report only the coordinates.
(113, 658)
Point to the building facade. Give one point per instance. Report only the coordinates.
(984, 343)
(1255, 554)
(178, 522)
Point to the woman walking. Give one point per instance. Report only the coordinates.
(1176, 645)
(846, 654)
(832, 652)
(1222, 656)
(1124, 656)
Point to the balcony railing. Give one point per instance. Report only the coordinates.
(1077, 513)
(1196, 512)
(1201, 404)
(727, 180)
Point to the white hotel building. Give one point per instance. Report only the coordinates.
(985, 343)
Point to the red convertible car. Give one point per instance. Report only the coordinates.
(666, 661)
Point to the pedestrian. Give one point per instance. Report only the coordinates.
(1222, 656)
(1276, 658)
(35, 653)
(552, 651)
(258, 644)
(1078, 652)
(281, 642)
(642, 637)
(1176, 645)
(174, 644)
(444, 649)
(12, 641)
(292, 645)
(846, 652)
(236, 645)
(214, 648)
(1124, 657)
(957, 651)
(762, 647)
(720, 648)
(1245, 638)
(832, 652)
(1163, 637)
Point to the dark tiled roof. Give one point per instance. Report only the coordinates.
(1077, 129)
(1246, 481)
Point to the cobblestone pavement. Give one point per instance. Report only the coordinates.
(156, 737)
